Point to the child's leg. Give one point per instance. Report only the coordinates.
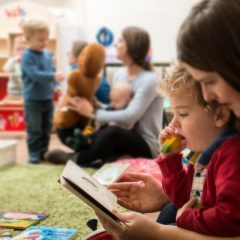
(34, 110)
(168, 214)
(113, 142)
(47, 117)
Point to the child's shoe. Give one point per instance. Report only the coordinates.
(60, 157)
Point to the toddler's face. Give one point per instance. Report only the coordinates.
(38, 41)
(118, 100)
(19, 48)
(194, 123)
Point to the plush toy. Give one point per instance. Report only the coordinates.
(82, 82)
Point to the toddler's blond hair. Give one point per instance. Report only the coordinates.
(34, 25)
(179, 81)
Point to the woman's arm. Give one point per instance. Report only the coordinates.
(144, 94)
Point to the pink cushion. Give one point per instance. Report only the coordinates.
(142, 165)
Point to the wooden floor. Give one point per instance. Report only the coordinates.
(22, 153)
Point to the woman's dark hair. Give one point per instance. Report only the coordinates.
(138, 44)
(209, 39)
(77, 47)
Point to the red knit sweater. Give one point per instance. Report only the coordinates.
(219, 214)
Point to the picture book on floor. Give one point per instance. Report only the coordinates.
(20, 220)
(110, 172)
(46, 233)
(6, 232)
(89, 190)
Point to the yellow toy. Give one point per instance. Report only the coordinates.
(171, 144)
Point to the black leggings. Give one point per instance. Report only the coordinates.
(111, 143)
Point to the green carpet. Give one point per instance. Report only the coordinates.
(34, 188)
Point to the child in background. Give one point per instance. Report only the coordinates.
(77, 47)
(102, 93)
(206, 129)
(120, 96)
(39, 81)
(13, 66)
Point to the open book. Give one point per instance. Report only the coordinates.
(110, 172)
(84, 186)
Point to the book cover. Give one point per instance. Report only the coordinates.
(89, 190)
(46, 233)
(110, 172)
(20, 220)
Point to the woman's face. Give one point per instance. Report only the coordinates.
(214, 87)
(121, 49)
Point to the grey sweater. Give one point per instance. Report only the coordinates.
(144, 112)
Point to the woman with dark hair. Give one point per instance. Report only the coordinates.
(208, 44)
(137, 126)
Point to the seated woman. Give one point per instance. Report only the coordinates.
(142, 118)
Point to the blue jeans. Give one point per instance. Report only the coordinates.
(168, 214)
(38, 115)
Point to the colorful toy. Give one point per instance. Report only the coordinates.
(82, 82)
(171, 144)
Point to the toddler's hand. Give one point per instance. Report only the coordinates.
(166, 133)
(59, 77)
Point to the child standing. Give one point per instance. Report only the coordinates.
(39, 80)
(12, 66)
(206, 129)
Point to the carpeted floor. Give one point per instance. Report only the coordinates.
(34, 188)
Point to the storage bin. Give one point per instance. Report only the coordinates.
(7, 152)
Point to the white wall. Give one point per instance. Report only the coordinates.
(161, 18)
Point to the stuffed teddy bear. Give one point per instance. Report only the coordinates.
(82, 82)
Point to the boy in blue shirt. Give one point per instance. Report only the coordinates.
(39, 80)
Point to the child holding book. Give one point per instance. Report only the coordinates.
(202, 128)
(214, 62)
(39, 81)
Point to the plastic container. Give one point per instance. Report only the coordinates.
(7, 152)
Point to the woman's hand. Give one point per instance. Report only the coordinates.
(81, 105)
(137, 226)
(140, 227)
(143, 193)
